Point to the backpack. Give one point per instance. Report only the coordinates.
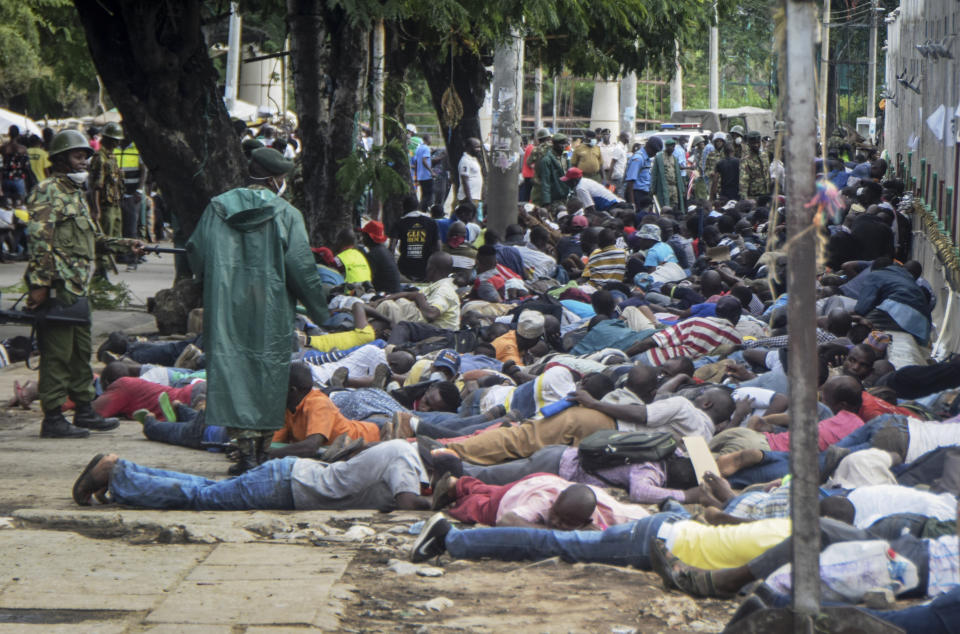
(612, 448)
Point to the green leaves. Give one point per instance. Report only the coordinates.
(375, 171)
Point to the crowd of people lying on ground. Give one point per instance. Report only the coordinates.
(478, 390)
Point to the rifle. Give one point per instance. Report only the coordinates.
(159, 250)
(51, 312)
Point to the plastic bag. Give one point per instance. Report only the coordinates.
(849, 569)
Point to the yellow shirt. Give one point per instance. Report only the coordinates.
(716, 547)
(355, 266)
(588, 158)
(343, 340)
(39, 162)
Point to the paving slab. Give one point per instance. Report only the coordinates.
(46, 570)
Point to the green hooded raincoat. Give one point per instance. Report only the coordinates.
(252, 251)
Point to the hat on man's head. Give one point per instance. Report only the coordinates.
(580, 221)
(574, 173)
(448, 359)
(669, 141)
(270, 161)
(649, 231)
(374, 231)
(325, 254)
(542, 133)
(530, 324)
(560, 138)
(250, 144)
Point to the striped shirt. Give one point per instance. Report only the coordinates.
(782, 341)
(606, 265)
(692, 338)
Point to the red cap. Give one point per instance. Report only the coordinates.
(572, 174)
(374, 230)
(325, 253)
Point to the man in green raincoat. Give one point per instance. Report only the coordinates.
(252, 252)
(667, 184)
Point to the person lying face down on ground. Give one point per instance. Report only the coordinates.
(385, 476)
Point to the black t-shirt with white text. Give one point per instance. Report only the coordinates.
(418, 240)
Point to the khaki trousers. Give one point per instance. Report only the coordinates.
(568, 427)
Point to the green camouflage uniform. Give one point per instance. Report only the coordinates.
(710, 166)
(62, 240)
(107, 179)
(536, 155)
(754, 174)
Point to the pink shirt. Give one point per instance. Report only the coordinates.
(531, 499)
(829, 431)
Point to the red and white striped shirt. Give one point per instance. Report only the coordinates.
(692, 338)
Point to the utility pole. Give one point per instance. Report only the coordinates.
(715, 61)
(628, 105)
(676, 84)
(824, 74)
(378, 53)
(504, 167)
(233, 58)
(538, 98)
(801, 311)
(872, 62)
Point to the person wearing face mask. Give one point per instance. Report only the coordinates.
(252, 252)
(588, 157)
(736, 140)
(62, 243)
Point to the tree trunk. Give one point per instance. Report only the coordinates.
(471, 81)
(330, 61)
(398, 59)
(152, 58)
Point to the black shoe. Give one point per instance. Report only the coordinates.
(55, 425)
(431, 542)
(84, 416)
(116, 343)
(248, 457)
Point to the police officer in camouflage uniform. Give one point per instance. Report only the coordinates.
(106, 182)
(62, 242)
(710, 161)
(754, 169)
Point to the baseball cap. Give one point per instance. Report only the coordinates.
(530, 324)
(448, 359)
(572, 174)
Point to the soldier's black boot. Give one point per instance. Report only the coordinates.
(84, 416)
(247, 448)
(55, 425)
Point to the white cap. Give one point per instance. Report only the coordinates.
(530, 324)
(411, 128)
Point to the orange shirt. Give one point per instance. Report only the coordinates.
(873, 407)
(507, 348)
(316, 414)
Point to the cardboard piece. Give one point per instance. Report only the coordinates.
(700, 456)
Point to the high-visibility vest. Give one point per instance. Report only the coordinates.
(355, 266)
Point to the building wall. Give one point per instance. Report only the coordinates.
(917, 152)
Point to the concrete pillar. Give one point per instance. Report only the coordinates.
(628, 104)
(606, 102)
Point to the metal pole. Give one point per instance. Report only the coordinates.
(824, 73)
(538, 98)
(628, 105)
(504, 168)
(556, 80)
(714, 62)
(872, 63)
(233, 57)
(379, 46)
(801, 310)
(676, 85)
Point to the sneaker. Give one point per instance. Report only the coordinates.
(188, 358)
(339, 378)
(432, 539)
(381, 376)
(163, 401)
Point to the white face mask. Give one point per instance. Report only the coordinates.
(437, 376)
(283, 187)
(738, 141)
(80, 178)
(593, 142)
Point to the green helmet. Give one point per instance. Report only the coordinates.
(542, 133)
(738, 129)
(780, 126)
(697, 140)
(753, 135)
(113, 131)
(67, 140)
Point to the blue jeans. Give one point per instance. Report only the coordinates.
(861, 437)
(940, 616)
(449, 424)
(264, 487)
(157, 352)
(620, 545)
(191, 433)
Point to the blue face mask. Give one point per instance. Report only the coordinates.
(593, 142)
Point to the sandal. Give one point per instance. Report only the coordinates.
(84, 488)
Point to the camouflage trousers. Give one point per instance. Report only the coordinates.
(64, 360)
